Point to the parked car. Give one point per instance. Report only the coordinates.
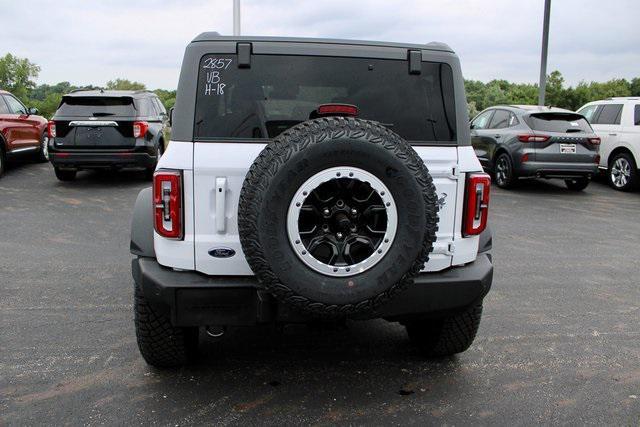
(527, 141)
(113, 129)
(22, 131)
(315, 196)
(617, 122)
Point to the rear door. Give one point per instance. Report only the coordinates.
(480, 136)
(240, 109)
(607, 124)
(20, 129)
(568, 137)
(92, 122)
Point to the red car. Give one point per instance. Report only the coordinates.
(21, 131)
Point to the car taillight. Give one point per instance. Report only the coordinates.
(533, 138)
(140, 129)
(597, 159)
(594, 141)
(51, 129)
(476, 204)
(167, 204)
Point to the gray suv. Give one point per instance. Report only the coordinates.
(526, 141)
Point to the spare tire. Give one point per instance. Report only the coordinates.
(337, 215)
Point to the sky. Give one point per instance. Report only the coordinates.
(91, 42)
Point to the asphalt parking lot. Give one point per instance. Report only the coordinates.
(559, 341)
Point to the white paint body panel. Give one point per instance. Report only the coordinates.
(626, 134)
(217, 166)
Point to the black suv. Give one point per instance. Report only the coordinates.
(113, 129)
(529, 141)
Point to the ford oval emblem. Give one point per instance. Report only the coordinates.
(222, 252)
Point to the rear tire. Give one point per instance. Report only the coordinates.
(577, 184)
(623, 172)
(65, 174)
(161, 344)
(445, 336)
(503, 171)
(3, 160)
(43, 152)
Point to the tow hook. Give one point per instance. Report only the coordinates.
(216, 331)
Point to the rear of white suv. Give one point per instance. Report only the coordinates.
(617, 123)
(313, 179)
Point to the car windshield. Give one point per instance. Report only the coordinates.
(277, 92)
(558, 122)
(96, 106)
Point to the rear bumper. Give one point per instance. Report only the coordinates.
(557, 170)
(193, 299)
(101, 159)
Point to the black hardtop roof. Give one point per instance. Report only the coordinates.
(110, 93)
(213, 36)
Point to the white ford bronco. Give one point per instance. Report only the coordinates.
(310, 180)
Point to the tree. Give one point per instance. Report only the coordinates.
(16, 75)
(124, 84)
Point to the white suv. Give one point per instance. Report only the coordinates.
(617, 123)
(313, 179)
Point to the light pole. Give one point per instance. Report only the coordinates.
(545, 45)
(236, 17)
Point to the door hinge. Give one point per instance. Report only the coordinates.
(444, 248)
(455, 172)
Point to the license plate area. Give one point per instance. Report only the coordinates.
(567, 148)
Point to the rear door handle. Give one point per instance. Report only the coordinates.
(497, 136)
(613, 134)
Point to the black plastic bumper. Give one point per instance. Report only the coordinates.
(558, 170)
(193, 299)
(97, 160)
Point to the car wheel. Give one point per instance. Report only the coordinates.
(160, 343)
(447, 335)
(577, 184)
(337, 215)
(3, 160)
(43, 152)
(65, 174)
(503, 174)
(623, 172)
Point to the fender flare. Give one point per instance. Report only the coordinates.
(142, 226)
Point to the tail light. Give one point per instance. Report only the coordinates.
(167, 204)
(476, 204)
(51, 129)
(140, 129)
(594, 141)
(597, 159)
(533, 138)
(337, 109)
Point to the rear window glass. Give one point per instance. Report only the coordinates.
(96, 106)
(558, 122)
(278, 92)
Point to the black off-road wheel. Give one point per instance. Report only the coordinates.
(445, 336)
(161, 344)
(65, 174)
(336, 216)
